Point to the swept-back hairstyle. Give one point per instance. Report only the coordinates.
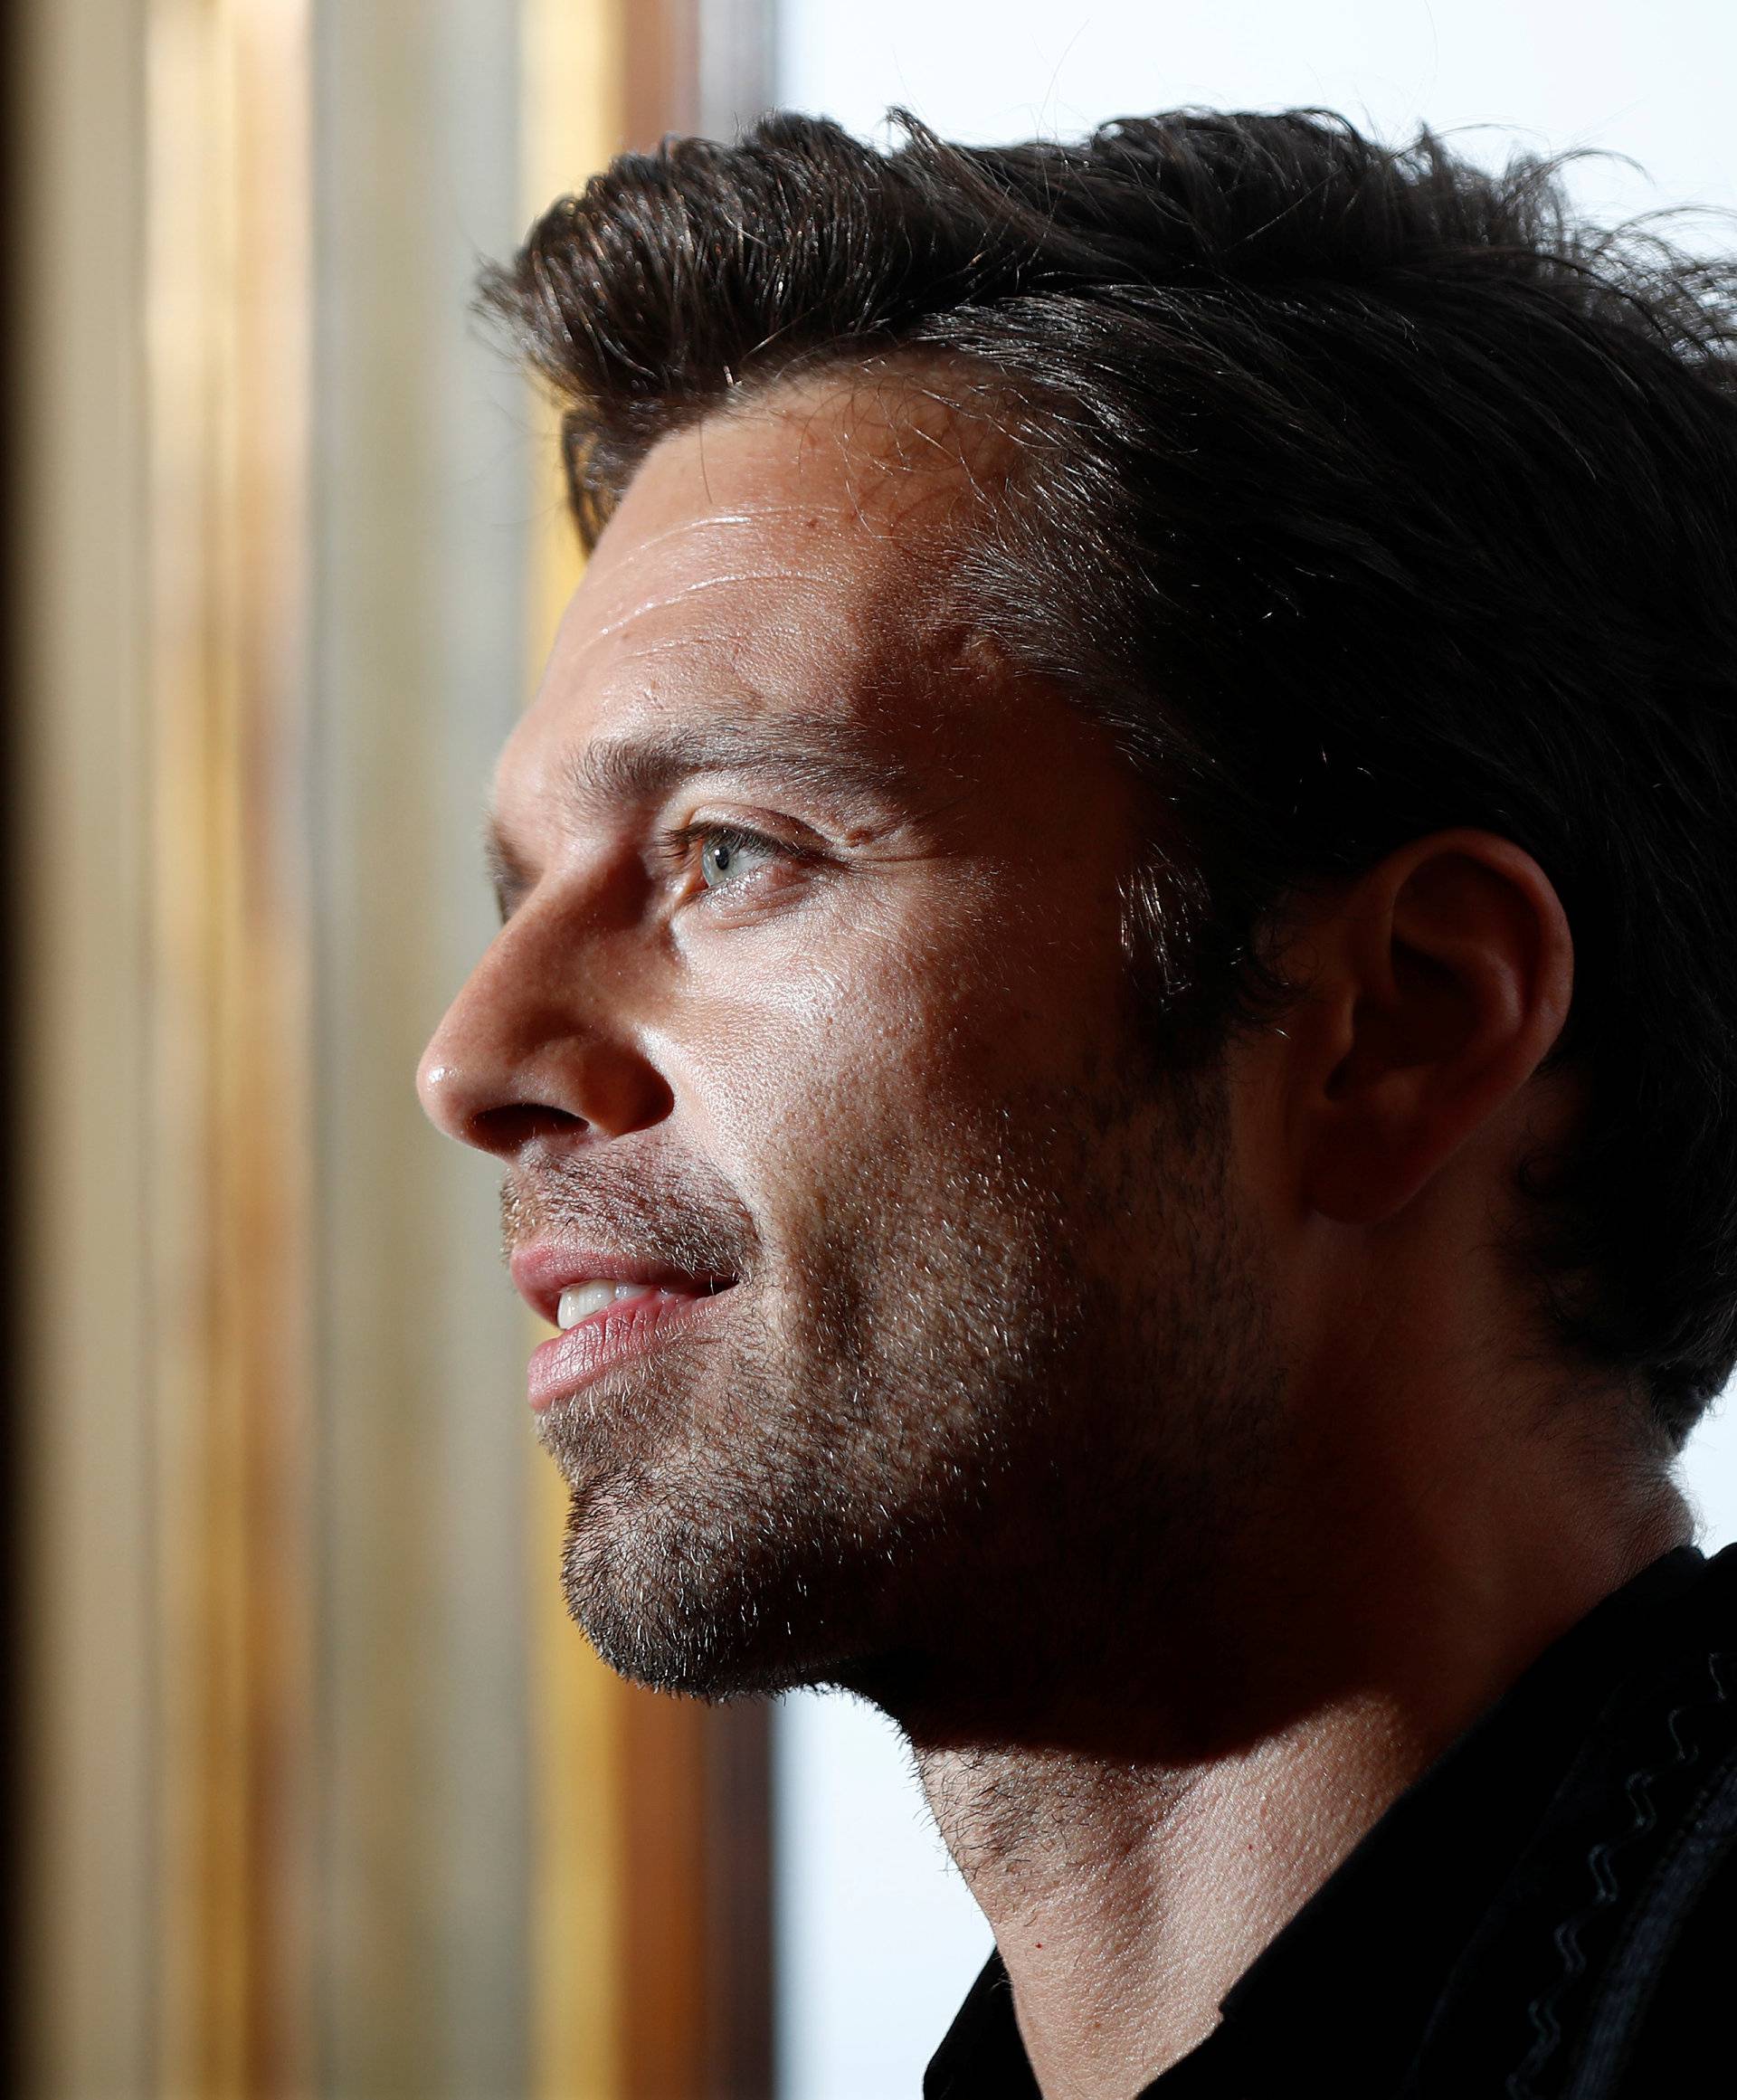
(1362, 492)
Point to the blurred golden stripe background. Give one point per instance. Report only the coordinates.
(318, 1791)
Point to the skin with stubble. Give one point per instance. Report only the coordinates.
(1173, 1455)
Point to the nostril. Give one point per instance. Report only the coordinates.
(508, 1129)
(501, 1099)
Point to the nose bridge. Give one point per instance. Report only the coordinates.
(543, 1022)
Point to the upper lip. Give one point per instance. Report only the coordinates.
(542, 1271)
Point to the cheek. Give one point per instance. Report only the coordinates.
(805, 1066)
(902, 1035)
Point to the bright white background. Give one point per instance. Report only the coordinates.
(878, 1939)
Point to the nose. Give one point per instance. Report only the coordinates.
(533, 1046)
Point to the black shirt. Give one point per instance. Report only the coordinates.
(1353, 1988)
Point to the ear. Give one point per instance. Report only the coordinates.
(1438, 984)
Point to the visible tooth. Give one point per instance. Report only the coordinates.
(629, 1290)
(580, 1300)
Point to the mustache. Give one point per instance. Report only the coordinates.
(656, 1207)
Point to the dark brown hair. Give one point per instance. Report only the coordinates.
(1365, 492)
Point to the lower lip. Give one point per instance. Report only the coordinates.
(630, 1328)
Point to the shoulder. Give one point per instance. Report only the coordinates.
(1638, 2009)
(1691, 2022)
(1599, 1969)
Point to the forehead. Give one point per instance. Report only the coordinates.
(783, 556)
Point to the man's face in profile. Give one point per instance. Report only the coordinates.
(809, 1040)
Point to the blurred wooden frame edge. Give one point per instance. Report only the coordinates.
(12, 1206)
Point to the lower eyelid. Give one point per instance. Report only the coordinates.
(782, 877)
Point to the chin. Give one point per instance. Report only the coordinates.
(683, 1608)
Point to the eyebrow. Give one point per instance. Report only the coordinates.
(814, 754)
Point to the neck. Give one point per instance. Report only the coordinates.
(1130, 1882)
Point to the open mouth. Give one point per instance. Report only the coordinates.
(610, 1311)
(597, 1297)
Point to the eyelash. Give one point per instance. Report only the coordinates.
(680, 848)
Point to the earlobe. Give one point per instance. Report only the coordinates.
(1444, 981)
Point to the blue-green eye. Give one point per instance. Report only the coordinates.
(726, 855)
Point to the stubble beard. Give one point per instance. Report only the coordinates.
(951, 1418)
